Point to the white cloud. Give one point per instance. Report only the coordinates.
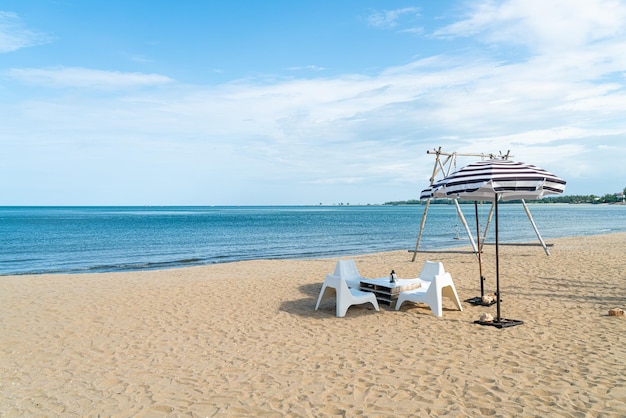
(364, 129)
(14, 36)
(307, 68)
(390, 18)
(541, 25)
(86, 78)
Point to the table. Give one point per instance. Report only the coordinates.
(387, 292)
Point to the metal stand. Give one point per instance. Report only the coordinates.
(445, 167)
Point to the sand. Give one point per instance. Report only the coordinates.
(243, 339)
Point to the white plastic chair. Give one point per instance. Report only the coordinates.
(346, 297)
(346, 269)
(435, 284)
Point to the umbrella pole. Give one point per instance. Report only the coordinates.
(498, 318)
(480, 262)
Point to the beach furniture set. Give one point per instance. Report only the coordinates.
(430, 287)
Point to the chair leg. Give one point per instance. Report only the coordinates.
(341, 309)
(400, 301)
(435, 305)
(320, 297)
(450, 293)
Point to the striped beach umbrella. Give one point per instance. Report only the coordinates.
(495, 180)
(501, 179)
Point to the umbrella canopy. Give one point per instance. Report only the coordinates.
(508, 180)
(491, 181)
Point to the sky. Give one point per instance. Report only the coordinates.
(282, 102)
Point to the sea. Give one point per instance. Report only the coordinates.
(43, 240)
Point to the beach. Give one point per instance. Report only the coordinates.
(243, 339)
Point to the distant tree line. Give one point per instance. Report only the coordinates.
(593, 199)
(607, 198)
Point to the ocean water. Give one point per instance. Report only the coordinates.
(36, 240)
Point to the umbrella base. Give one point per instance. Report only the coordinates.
(502, 323)
(478, 301)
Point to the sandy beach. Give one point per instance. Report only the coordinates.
(243, 339)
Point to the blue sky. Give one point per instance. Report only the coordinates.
(232, 102)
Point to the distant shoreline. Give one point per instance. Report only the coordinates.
(399, 203)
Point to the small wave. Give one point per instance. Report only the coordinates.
(19, 260)
(108, 268)
(150, 265)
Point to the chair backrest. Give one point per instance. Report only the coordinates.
(347, 269)
(430, 270)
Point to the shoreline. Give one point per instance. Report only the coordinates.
(242, 338)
